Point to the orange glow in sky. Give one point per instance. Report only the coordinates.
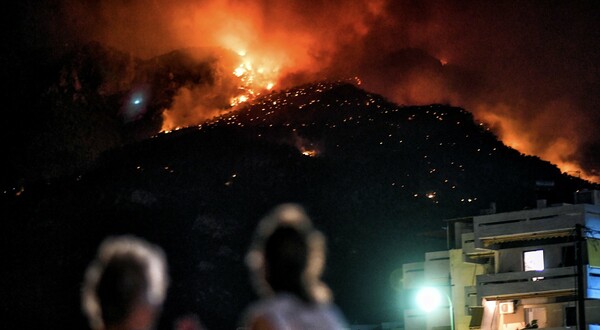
(410, 54)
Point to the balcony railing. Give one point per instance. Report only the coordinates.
(531, 224)
(518, 285)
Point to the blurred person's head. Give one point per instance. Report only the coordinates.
(288, 255)
(125, 286)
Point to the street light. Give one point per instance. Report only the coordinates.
(429, 298)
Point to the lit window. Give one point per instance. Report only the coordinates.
(533, 260)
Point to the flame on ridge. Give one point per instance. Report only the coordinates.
(256, 77)
(560, 152)
(243, 79)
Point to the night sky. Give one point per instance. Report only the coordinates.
(529, 70)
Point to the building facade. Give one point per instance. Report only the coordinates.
(512, 271)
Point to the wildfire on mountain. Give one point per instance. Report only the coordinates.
(483, 56)
(255, 78)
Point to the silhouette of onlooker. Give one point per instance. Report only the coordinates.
(286, 261)
(125, 286)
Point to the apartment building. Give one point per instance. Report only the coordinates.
(515, 270)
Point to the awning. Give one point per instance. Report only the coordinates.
(487, 241)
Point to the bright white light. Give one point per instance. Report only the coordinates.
(429, 299)
(533, 260)
(239, 71)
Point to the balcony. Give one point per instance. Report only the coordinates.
(519, 285)
(593, 283)
(469, 249)
(548, 222)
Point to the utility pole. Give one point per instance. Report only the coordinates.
(581, 324)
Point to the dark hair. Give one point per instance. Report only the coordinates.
(286, 255)
(127, 272)
(122, 285)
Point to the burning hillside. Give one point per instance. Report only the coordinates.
(251, 78)
(527, 70)
(517, 77)
(375, 174)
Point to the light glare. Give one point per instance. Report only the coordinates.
(429, 299)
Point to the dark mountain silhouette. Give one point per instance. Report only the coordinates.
(66, 109)
(377, 178)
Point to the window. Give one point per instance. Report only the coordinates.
(536, 315)
(568, 256)
(570, 316)
(533, 260)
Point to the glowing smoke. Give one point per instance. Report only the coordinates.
(530, 71)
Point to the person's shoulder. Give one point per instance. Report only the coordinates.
(264, 307)
(259, 315)
(333, 313)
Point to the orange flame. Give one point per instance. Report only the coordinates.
(310, 152)
(513, 135)
(255, 77)
(285, 43)
(252, 78)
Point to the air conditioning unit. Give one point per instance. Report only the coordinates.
(507, 307)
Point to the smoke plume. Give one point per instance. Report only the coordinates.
(529, 71)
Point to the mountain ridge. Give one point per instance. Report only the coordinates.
(376, 177)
